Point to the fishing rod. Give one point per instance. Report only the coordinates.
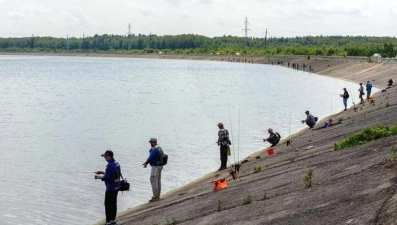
(238, 134)
(231, 131)
(65, 171)
(208, 146)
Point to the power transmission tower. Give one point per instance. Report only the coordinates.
(265, 37)
(246, 30)
(129, 29)
(67, 42)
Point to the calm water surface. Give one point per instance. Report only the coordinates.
(59, 114)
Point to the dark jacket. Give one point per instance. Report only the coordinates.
(274, 138)
(345, 94)
(112, 175)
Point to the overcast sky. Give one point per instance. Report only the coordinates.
(282, 18)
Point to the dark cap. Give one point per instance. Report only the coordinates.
(107, 153)
(153, 140)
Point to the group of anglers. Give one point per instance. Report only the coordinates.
(112, 174)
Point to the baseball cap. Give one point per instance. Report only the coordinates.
(153, 139)
(107, 153)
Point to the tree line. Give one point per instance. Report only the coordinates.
(198, 44)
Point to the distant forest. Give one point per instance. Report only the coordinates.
(198, 44)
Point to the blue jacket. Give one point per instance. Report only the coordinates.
(154, 157)
(368, 86)
(112, 175)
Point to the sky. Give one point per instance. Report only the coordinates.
(211, 18)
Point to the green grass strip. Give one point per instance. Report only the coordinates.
(365, 136)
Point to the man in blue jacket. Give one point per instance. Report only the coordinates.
(368, 88)
(111, 177)
(155, 173)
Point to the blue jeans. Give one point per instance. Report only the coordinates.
(345, 102)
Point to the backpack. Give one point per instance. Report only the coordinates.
(163, 156)
(278, 136)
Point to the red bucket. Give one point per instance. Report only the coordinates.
(270, 151)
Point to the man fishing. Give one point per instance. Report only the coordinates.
(345, 96)
(155, 173)
(223, 143)
(310, 119)
(111, 177)
(274, 138)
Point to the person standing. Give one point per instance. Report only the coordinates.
(310, 119)
(361, 93)
(223, 142)
(111, 177)
(368, 88)
(155, 172)
(345, 96)
(390, 83)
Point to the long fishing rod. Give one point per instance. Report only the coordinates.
(238, 135)
(71, 172)
(231, 131)
(208, 146)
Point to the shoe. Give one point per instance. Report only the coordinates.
(113, 222)
(154, 199)
(345, 110)
(222, 168)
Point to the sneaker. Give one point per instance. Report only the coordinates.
(113, 222)
(154, 199)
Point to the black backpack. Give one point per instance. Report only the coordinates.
(163, 156)
(278, 136)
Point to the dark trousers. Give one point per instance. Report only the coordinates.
(223, 152)
(310, 124)
(111, 205)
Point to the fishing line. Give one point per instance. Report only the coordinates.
(208, 146)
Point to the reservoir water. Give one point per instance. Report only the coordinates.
(59, 114)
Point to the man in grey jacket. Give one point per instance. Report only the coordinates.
(310, 119)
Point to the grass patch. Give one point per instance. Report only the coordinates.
(365, 136)
(265, 196)
(307, 179)
(391, 160)
(247, 200)
(257, 169)
(219, 206)
(172, 222)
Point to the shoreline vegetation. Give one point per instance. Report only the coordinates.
(199, 44)
(355, 186)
